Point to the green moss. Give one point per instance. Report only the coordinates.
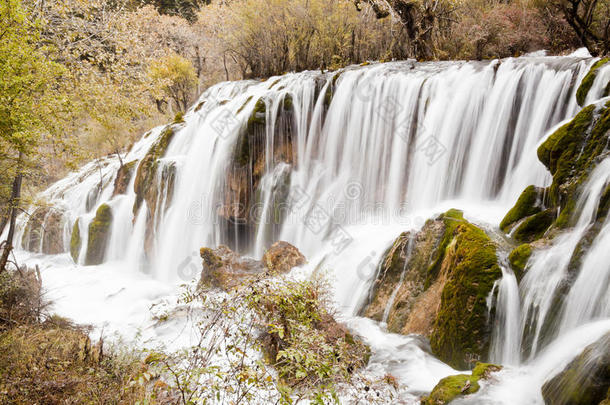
(179, 118)
(570, 153)
(587, 81)
(518, 259)
(256, 124)
(287, 104)
(99, 233)
(147, 170)
(586, 380)
(454, 386)
(527, 204)
(75, 242)
(470, 267)
(451, 219)
(534, 227)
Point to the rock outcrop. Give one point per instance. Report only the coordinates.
(123, 177)
(250, 161)
(455, 386)
(99, 234)
(587, 82)
(225, 269)
(154, 183)
(585, 381)
(44, 232)
(436, 283)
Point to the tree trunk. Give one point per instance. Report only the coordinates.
(14, 206)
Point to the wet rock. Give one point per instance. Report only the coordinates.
(534, 226)
(75, 241)
(436, 283)
(44, 231)
(455, 386)
(123, 177)
(249, 162)
(154, 184)
(53, 233)
(586, 380)
(281, 257)
(518, 258)
(530, 202)
(469, 268)
(403, 274)
(587, 81)
(99, 234)
(225, 269)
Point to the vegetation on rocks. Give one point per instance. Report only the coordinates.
(586, 380)
(75, 241)
(455, 386)
(534, 226)
(530, 202)
(227, 270)
(587, 81)
(518, 258)
(443, 276)
(470, 267)
(99, 234)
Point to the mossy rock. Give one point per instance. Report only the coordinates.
(147, 169)
(123, 177)
(455, 386)
(586, 380)
(518, 259)
(53, 232)
(570, 154)
(281, 257)
(401, 276)
(32, 235)
(470, 267)
(99, 234)
(528, 203)
(533, 228)
(245, 147)
(179, 118)
(587, 81)
(75, 241)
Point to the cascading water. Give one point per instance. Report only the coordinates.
(347, 161)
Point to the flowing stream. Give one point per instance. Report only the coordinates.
(374, 151)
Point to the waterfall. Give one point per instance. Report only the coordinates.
(340, 163)
(506, 335)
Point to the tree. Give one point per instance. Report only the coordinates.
(174, 77)
(27, 77)
(590, 20)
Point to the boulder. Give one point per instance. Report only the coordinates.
(99, 234)
(44, 231)
(455, 386)
(123, 177)
(587, 82)
(585, 381)
(281, 257)
(518, 258)
(225, 269)
(75, 241)
(436, 283)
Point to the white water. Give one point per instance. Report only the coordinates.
(399, 143)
